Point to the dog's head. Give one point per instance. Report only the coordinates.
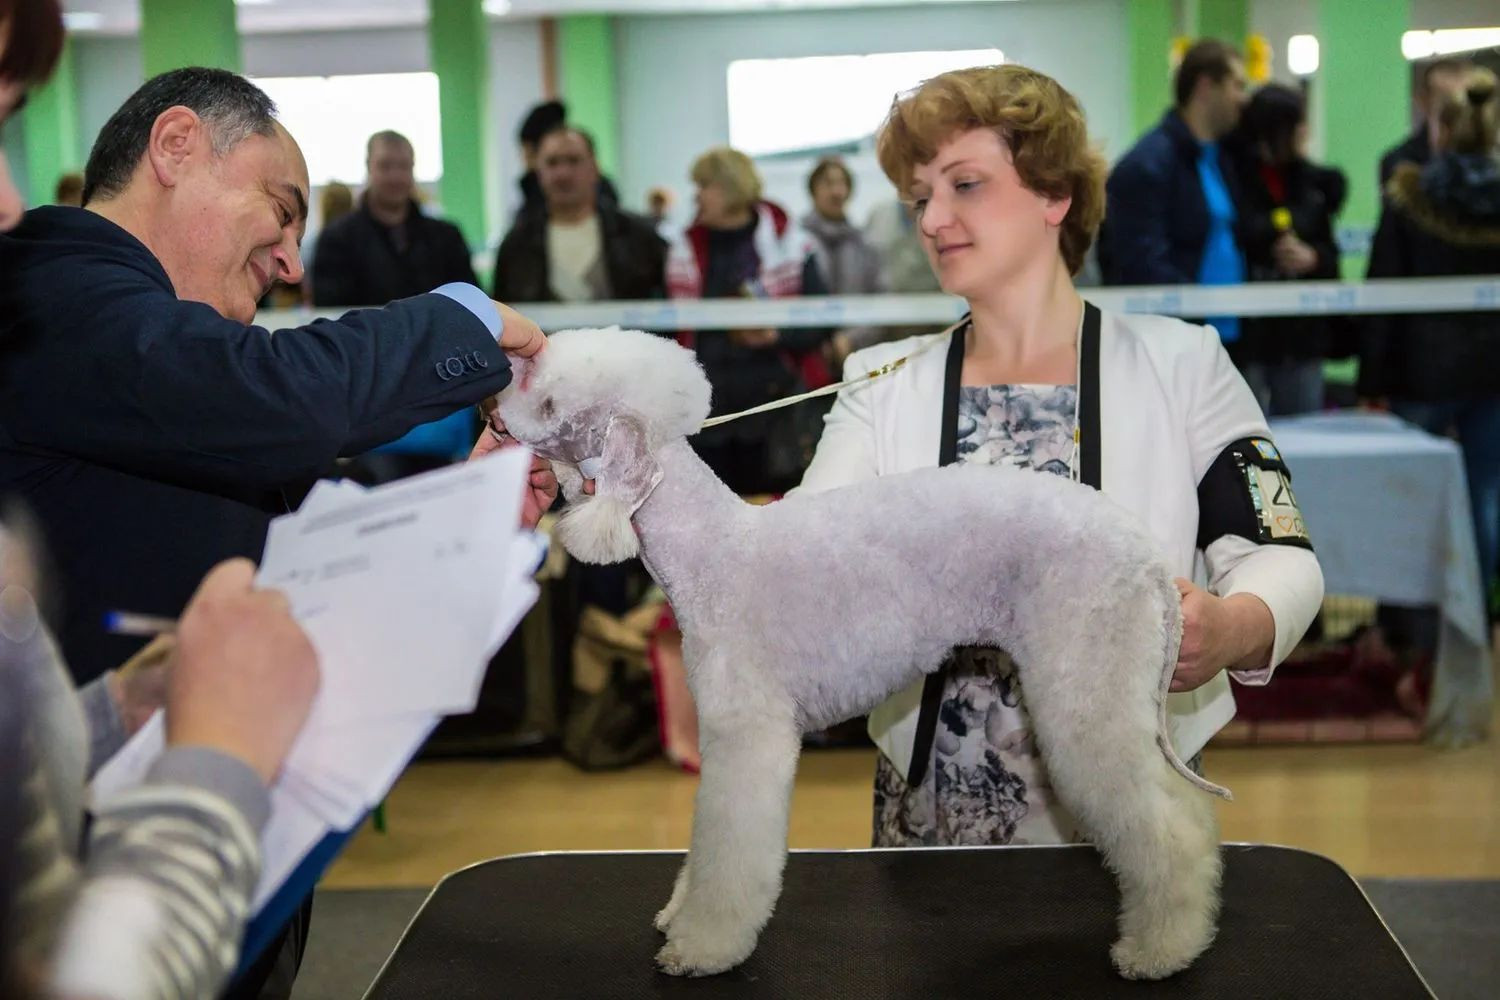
(597, 404)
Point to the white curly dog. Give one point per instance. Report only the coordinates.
(810, 611)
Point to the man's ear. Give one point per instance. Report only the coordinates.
(598, 529)
(177, 136)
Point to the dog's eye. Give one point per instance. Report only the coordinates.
(548, 408)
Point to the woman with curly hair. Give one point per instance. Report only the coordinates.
(1008, 194)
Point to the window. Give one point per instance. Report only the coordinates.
(776, 105)
(332, 117)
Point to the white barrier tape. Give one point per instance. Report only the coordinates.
(1272, 298)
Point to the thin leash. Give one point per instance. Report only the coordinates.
(826, 390)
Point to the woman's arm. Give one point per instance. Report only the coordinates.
(1245, 570)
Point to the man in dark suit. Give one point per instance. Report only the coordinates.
(387, 248)
(151, 430)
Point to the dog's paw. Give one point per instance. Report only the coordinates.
(693, 953)
(1134, 960)
(663, 918)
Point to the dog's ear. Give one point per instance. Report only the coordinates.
(597, 529)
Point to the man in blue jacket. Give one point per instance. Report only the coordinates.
(149, 427)
(155, 432)
(1172, 202)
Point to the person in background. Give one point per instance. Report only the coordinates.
(541, 119)
(152, 906)
(1173, 211)
(335, 201)
(387, 249)
(847, 263)
(659, 210)
(742, 246)
(1439, 78)
(1287, 220)
(69, 190)
(578, 248)
(1441, 371)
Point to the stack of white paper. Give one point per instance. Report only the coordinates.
(406, 591)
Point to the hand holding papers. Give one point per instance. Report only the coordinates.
(405, 591)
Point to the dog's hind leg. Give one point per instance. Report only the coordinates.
(1094, 705)
(732, 877)
(666, 914)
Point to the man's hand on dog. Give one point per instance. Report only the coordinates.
(1234, 633)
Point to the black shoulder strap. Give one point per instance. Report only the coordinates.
(952, 376)
(1090, 471)
(932, 689)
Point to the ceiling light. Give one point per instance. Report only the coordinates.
(82, 20)
(1447, 41)
(1302, 55)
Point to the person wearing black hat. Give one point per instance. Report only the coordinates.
(541, 120)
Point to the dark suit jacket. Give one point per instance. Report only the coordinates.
(356, 261)
(152, 437)
(1156, 218)
(635, 258)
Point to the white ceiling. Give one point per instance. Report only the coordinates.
(123, 16)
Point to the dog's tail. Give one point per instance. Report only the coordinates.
(1172, 619)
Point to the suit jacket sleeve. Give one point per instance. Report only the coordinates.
(1288, 579)
(124, 374)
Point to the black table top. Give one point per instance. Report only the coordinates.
(1014, 922)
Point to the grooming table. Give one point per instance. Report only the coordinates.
(900, 924)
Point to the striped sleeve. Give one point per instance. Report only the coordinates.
(171, 867)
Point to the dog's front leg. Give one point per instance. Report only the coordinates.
(732, 876)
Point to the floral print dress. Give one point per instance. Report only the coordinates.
(985, 783)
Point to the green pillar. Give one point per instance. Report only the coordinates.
(1361, 68)
(1226, 20)
(458, 37)
(586, 71)
(1150, 25)
(177, 33)
(50, 130)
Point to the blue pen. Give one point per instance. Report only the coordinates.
(134, 623)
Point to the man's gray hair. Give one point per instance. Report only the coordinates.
(231, 106)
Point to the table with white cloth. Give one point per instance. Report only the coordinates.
(1387, 505)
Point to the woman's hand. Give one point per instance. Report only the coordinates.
(1293, 256)
(1220, 633)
